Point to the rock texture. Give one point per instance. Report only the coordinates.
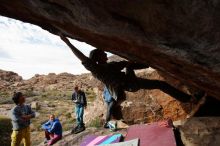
(143, 106)
(201, 132)
(179, 38)
(7, 78)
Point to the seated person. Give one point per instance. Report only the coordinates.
(53, 130)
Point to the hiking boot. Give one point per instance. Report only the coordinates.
(79, 129)
(74, 129)
(82, 125)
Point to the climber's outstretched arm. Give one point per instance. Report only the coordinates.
(78, 54)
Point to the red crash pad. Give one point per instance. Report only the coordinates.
(151, 135)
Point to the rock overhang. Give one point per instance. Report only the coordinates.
(179, 38)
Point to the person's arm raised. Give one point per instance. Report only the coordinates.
(78, 54)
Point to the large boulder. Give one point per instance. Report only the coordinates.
(143, 106)
(35, 105)
(203, 131)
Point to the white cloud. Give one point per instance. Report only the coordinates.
(27, 50)
(4, 54)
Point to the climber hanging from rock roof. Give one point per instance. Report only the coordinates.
(117, 81)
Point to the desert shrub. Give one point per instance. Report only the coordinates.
(90, 94)
(59, 112)
(96, 122)
(5, 97)
(68, 115)
(4, 94)
(51, 105)
(67, 95)
(67, 124)
(30, 93)
(6, 100)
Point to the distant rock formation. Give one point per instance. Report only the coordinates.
(10, 82)
(139, 107)
(9, 76)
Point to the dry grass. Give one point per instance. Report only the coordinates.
(97, 123)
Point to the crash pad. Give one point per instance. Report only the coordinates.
(133, 142)
(92, 140)
(151, 135)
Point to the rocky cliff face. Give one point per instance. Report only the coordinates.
(179, 38)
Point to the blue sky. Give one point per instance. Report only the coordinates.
(28, 50)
